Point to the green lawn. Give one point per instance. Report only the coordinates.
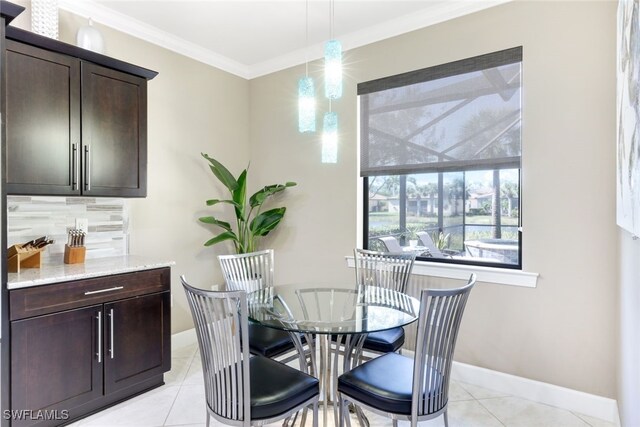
(386, 219)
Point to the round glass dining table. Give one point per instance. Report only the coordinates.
(331, 321)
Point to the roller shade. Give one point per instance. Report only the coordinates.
(464, 115)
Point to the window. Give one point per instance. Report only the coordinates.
(440, 156)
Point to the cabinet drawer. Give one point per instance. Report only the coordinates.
(47, 299)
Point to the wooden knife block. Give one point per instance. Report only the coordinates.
(74, 254)
(23, 258)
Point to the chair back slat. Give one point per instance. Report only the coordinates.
(438, 325)
(382, 269)
(220, 320)
(248, 272)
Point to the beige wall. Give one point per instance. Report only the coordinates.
(564, 331)
(192, 108)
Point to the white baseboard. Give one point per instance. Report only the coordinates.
(536, 391)
(549, 394)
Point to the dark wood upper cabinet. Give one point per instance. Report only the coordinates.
(42, 121)
(73, 127)
(114, 133)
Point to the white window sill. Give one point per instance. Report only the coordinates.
(502, 276)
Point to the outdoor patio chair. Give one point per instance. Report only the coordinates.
(418, 389)
(424, 239)
(391, 244)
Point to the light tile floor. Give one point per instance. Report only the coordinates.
(180, 402)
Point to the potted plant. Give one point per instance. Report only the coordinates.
(251, 222)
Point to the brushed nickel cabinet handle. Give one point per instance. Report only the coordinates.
(87, 167)
(99, 354)
(115, 288)
(75, 175)
(111, 347)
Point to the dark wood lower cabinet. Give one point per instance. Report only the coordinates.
(54, 362)
(67, 364)
(137, 340)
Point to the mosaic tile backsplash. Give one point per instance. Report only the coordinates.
(29, 217)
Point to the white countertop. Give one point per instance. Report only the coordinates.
(60, 272)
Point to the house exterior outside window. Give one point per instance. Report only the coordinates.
(441, 160)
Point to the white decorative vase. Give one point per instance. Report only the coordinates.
(44, 18)
(90, 38)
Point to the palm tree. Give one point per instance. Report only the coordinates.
(386, 185)
(496, 220)
(413, 190)
(483, 128)
(455, 190)
(430, 189)
(509, 191)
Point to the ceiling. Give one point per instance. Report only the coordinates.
(253, 38)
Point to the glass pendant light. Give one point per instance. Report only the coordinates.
(330, 138)
(306, 90)
(306, 105)
(332, 61)
(333, 69)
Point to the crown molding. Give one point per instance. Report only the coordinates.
(438, 13)
(444, 11)
(123, 23)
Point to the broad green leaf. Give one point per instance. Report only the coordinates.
(239, 194)
(216, 201)
(257, 198)
(221, 173)
(227, 235)
(212, 220)
(247, 233)
(261, 195)
(267, 221)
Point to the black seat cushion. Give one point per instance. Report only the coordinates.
(385, 341)
(277, 388)
(384, 383)
(268, 342)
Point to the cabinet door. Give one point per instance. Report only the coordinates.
(55, 360)
(138, 343)
(42, 121)
(114, 133)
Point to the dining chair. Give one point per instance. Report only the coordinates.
(242, 389)
(386, 270)
(406, 389)
(252, 272)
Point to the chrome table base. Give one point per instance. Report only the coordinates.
(318, 361)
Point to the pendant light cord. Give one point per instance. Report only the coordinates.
(331, 18)
(331, 23)
(306, 38)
